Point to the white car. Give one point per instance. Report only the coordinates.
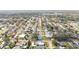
(39, 43)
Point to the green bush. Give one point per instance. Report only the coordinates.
(11, 45)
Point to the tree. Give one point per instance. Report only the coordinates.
(35, 35)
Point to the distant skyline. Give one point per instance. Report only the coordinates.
(34, 11)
